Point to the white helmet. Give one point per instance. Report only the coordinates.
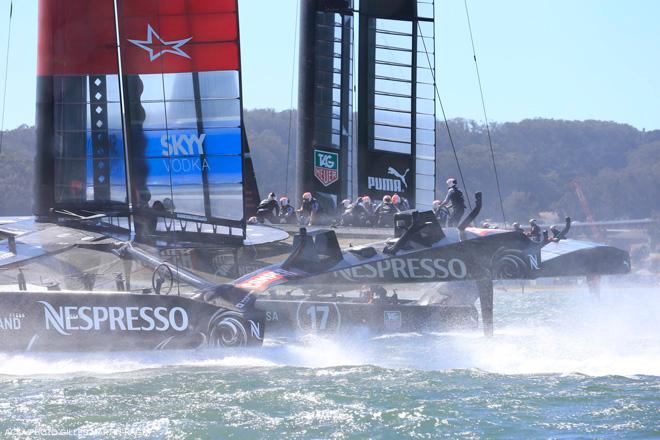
(284, 201)
(346, 203)
(387, 199)
(271, 196)
(451, 182)
(307, 196)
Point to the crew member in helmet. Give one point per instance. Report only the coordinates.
(268, 209)
(346, 212)
(384, 212)
(354, 213)
(287, 212)
(400, 202)
(310, 210)
(516, 227)
(554, 230)
(368, 206)
(455, 202)
(534, 233)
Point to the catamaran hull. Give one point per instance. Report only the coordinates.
(36, 321)
(58, 321)
(305, 316)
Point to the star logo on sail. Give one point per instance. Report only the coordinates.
(156, 46)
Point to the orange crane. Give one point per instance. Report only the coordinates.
(585, 208)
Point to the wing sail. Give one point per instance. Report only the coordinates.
(396, 100)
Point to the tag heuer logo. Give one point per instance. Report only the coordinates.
(326, 167)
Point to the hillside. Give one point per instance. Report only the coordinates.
(617, 165)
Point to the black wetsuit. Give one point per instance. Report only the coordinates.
(384, 214)
(310, 211)
(535, 233)
(287, 215)
(456, 204)
(269, 210)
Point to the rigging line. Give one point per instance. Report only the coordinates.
(483, 106)
(293, 70)
(4, 95)
(444, 116)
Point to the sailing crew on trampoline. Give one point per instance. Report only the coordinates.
(454, 201)
(268, 209)
(287, 212)
(310, 211)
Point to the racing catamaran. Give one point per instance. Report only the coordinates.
(144, 182)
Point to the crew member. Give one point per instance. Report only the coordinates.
(554, 230)
(400, 202)
(365, 202)
(516, 227)
(384, 212)
(268, 209)
(354, 214)
(310, 210)
(534, 233)
(287, 212)
(454, 201)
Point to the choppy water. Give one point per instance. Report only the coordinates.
(560, 366)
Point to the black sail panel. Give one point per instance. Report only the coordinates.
(396, 101)
(80, 154)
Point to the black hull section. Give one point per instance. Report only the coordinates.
(577, 258)
(34, 321)
(337, 318)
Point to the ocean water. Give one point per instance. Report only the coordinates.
(561, 365)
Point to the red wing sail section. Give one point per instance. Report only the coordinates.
(177, 36)
(77, 37)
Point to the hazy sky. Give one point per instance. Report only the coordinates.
(567, 59)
